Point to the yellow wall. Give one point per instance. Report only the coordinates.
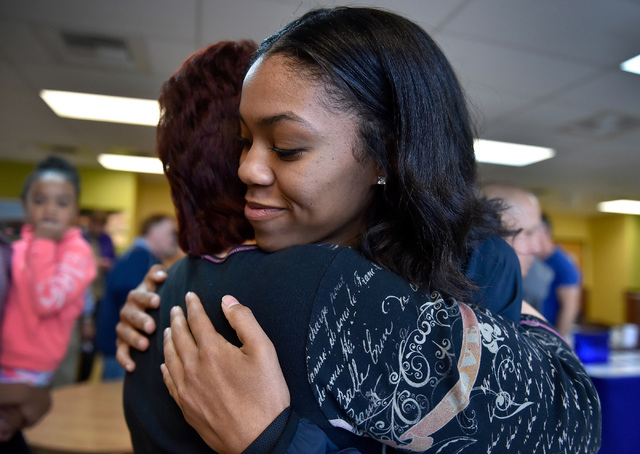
(573, 228)
(153, 197)
(115, 192)
(12, 176)
(611, 268)
(634, 249)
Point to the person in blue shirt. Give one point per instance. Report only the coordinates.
(561, 307)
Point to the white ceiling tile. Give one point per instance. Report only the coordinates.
(509, 70)
(573, 29)
(169, 18)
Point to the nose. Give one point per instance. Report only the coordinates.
(255, 167)
(50, 208)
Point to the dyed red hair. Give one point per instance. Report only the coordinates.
(196, 142)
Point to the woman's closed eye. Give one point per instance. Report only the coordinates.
(287, 154)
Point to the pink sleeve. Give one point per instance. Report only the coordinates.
(59, 277)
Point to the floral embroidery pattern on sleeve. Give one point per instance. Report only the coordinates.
(426, 374)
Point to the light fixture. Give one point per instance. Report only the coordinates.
(621, 206)
(140, 164)
(632, 65)
(115, 109)
(510, 154)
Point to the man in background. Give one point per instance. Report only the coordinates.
(521, 215)
(157, 242)
(562, 305)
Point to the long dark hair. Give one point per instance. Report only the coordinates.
(414, 123)
(196, 141)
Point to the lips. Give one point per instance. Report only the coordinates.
(258, 212)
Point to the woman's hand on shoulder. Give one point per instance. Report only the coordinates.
(250, 388)
(134, 321)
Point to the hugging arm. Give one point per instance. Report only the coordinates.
(423, 371)
(134, 321)
(430, 370)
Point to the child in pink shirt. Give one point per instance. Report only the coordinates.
(51, 268)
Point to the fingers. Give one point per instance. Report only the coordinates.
(245, 324)
(130, 336)
(201, 327)
(142, 299)
(169, 383)
(123, 356)
(173, 365)
(154, 276)
(133, 315)
(180, 335)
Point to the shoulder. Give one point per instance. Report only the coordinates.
(496, 245)
(565, 268)
(560, 259)
(135, 254)
(491, 253)
(314, 252)
(495, 269)
(305, 259)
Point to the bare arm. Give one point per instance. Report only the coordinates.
(569, 307)
(134, 321)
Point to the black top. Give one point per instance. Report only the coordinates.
(364, 351)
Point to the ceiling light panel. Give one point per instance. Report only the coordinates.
(632, 65)
(510, 154)
(114, 109)
(139, 164)
(622, 206)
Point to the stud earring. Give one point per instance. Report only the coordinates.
(382, 180)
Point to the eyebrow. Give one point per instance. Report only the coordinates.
(284, 116)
